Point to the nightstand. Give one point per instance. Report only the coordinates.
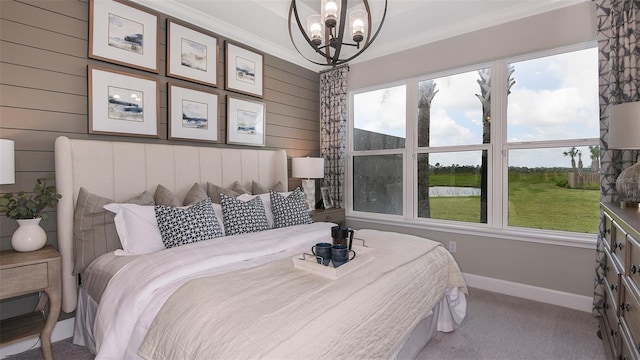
(334, 215)
(24, 273)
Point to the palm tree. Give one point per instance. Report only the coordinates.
(426, 92)
(595, 157)
(572, 152)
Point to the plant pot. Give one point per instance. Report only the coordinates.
(29, 236)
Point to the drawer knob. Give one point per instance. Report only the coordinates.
(614, 333)
(614, 287)
(624, 306)
(607, 231)
(605, 306)
(634, 269)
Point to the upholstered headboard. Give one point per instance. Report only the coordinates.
(121, 170)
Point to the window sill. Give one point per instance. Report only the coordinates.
(561, 238)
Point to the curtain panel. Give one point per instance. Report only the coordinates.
(334, 110)
(618, 23)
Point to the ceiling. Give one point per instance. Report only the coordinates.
(262, 24)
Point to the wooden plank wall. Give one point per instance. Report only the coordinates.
(43, 92)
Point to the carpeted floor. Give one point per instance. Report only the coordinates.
(497, 327)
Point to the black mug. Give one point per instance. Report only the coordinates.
(323, 250)
(340, 255)
(342, 235)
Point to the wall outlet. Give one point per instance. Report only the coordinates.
(452, 247)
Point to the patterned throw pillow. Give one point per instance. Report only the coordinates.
(180, 226)
(290, 210)
(241, 217)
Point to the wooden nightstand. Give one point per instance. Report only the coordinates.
(26, 273)
(334, 215)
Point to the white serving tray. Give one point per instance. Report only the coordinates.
(307, 262)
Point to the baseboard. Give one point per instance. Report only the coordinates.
(549, 296)
(62, 330)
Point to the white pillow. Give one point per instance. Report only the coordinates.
(266, 201)
(137, 228)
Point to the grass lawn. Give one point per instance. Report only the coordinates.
(535, 201)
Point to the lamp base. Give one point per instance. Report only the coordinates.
(628, 186)
(309, 188)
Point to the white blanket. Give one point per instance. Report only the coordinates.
(276, 311)
(136, 293)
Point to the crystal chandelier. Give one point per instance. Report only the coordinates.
(332, 33)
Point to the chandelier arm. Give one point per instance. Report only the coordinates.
(384, 15)
(340, 35)
(293, 9)
(368, 10)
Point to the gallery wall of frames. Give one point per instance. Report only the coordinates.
(126, 101)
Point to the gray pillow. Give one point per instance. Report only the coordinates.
(241, 217)
(164, 196)
(290, 210)
(257, 188)
(214, 192)
(184, 226)
(195, 195)
(94, 232)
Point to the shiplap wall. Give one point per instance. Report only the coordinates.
(43, 94)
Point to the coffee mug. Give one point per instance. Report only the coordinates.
(324, 251)
(340, 255)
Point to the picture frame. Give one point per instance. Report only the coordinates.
(192, 54)
(245, 122)
(124, 35)
(244, 70)
(326, 198)
(123, 104)
(193, 114)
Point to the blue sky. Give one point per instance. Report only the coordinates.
(553, 98)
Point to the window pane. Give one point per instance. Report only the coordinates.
(555, 189)
(451, 109)
(554, 98)
(379, 119)
(450, 186)
(377, 184)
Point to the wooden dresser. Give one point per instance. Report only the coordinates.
(620, 324)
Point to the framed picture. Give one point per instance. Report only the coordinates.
(193, 114)
(326, 198)
(245, 70)
(122, 104)
(123, 35)
(192, 54)
(245, 122)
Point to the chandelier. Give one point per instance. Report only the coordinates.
(331, 32)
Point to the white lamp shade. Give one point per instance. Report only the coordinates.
(7, 162)
(307, 168)
(624, 126)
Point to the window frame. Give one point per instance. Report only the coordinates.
(498, 150)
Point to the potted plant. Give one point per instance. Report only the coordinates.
(26, 209)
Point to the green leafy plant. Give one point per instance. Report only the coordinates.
(23, 205)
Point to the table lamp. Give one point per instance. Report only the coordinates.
(624, 133)
(308, 168)
(7, 162)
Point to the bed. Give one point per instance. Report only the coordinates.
(237, 295)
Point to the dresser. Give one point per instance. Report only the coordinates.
(24, 273)
(620, 324)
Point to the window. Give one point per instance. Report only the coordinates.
(513, 143)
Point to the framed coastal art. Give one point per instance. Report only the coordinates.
(123, 35)
(193, 114)
(192, 54)
(245, 122)
(244, 70)
(122, 104)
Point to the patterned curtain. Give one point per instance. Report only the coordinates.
(618, 24)
(334, 109)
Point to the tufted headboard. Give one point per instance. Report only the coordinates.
(121, 170)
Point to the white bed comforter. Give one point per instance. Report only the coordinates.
(276, 311)
(137, 291)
